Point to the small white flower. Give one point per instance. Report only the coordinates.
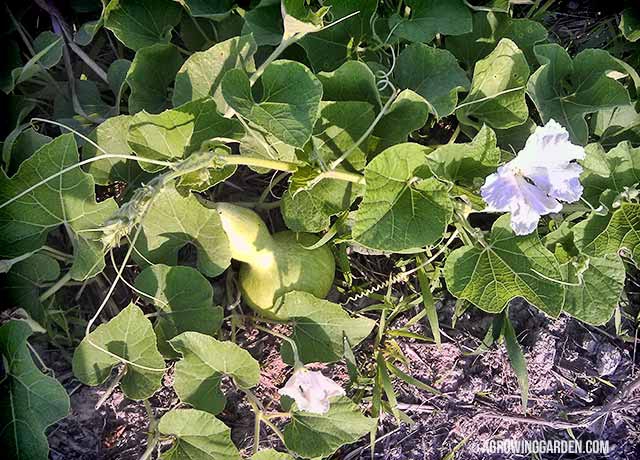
(533, 184)
(311, 390)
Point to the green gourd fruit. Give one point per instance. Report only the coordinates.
(273, 265)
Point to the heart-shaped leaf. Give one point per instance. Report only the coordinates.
(290, 101)
(185, 299)
(330, 48)
(320, 328)
(111, 136)
(126, 339)
(433, 74)
(21, 287)
(140, 23)
(593, 295)
(204, 361)
(197, 435)
(497, 95)
(404, 208)
(312, 435)
(613, 170)
(175, 220)
(202, 72)
(310, 210)
(488, 29)
(352, 81)
(567, 90)
(151, 72)
(463, 163)
(30, 400)
(176, 133)
(506, 267)
(68, 200)
(431, 17)
(606, 235)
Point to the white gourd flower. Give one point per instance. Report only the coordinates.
(534, 184)
(311, 390)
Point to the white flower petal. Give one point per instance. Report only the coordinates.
(548, 145)
(506, 190)
(532, 184)
(560, 182)
(311, 390)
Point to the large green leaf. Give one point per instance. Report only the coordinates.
(352, 81)
(22, 285)
(404, 207)
(204, 361)
(606, 235)
(152, 71)
(111, 136)
(264, 22)
(340, 125)
(175, 220)
(176, 133)
(320, 328)
(431, 17)
(506, 267)
(311, 210)
(567, 90)
(185, 300)
(20, 145)
(312, 435)
(290, 101)
(67, 200)
(488, 29)
(497, 95)
(330, 48)
(30, 401)
(201, 74)
(616, 125)
(407, 113)
(432, 73)
(463, 163)
(140, 23)
(126, 339)
(613, 170)
(593, 296)
(197, 436)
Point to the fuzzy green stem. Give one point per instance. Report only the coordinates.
(153, 436)
(258, 162)
(342, 175)
(366, 134)
(112, 386)
(272, 57)
(56, 287)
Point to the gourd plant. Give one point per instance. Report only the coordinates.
(347, 103)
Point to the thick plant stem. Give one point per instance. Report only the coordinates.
(366, 134)
(154, 435)
(272, 57)
(259, 162)
(56, 287)
(112, 387)
(287, 166)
